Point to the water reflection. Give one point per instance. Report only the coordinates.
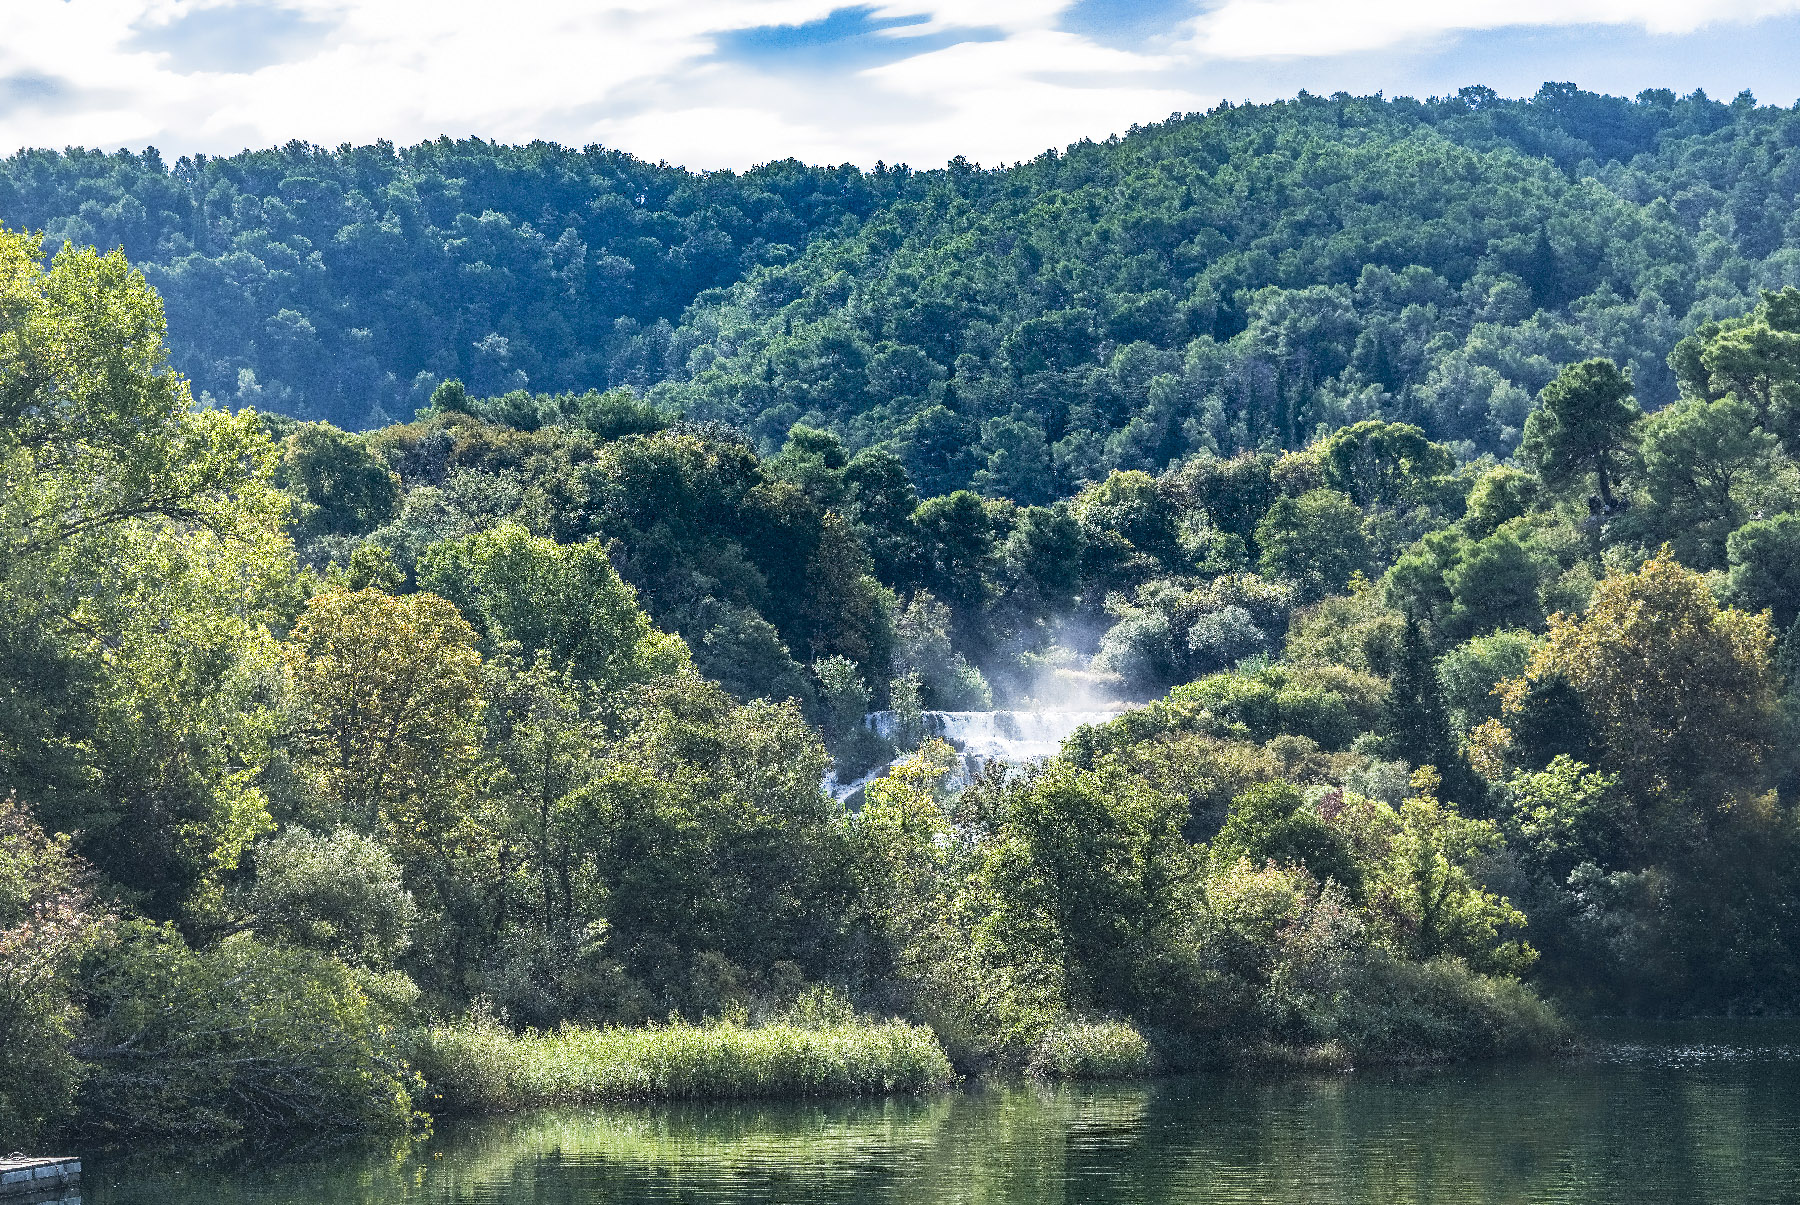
(1657, 1118)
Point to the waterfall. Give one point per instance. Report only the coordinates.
(980, 737)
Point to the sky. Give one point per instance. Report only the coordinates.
(733, 83)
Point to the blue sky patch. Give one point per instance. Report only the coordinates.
(1126, 23)
(32, 90)
(238, 39)
(848, 39)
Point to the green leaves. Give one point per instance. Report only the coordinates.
(1586, 423)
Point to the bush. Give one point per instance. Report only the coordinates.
(1090, 1050)
(1440, 1009)
(1220, 639)
(340, 894)
(238, 1040)
(478, 1065)
(1139, 648)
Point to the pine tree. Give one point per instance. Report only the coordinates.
(1416, 723)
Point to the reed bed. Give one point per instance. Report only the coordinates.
(474, 1066)
(1090, 1050)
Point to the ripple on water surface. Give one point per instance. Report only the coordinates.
(1677, 1115)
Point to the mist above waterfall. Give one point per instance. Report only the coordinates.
(985, 736)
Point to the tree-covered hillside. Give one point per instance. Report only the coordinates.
(1230, 280)
(345, 284)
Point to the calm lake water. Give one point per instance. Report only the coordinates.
(1656, 1115)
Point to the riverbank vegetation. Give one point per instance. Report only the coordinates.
(476, 760)
(478, 1065)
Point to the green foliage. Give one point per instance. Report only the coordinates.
(1151, 276)
(1765, 567)
(1314, 542)
(1469, 672)
(844, 699)
(140, 561)
(1703, 464)
(1586, 424)
(339, 486)
(1084, 870)
(1679, 692)
(242, 1039)
(1084, 1051)
(339, 894)
(564, 601)
(715, 847)
(513, 699)
(477, 1065)
(1755, 357)
(924, 651)
(1498, 496)
(48, 920)
(1274, 823)
(1565, 815)
(1383, 464)
(1494, 585)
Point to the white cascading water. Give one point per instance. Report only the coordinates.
(981, 737)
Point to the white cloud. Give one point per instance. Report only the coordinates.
(1243, 29)
(996, 81)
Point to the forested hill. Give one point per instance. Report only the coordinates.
(1235, 279)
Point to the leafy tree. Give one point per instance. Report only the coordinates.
(1566, 814)
(1700, 458)
(48, 920)
(1586, 424)
(1494, 585)
(387, 696)
(339, 894)
(1084, 871)
(563, 600)
(251, 1040)
(339, 486)
(713, 840)
(881, 503)
(1680, 692)
(844, 699)
(1755, 357)
(1274, 823)
(140, 555)
(1315, 542)
(957, 538)
(1383, 464)
(1415, 722)
(1220, 639)
(1498, 496)
(1468, 673)
(1429, 886)
(815, 461)
(1765, 567)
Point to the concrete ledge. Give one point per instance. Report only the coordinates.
(40, 1179)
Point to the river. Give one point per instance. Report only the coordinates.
(1659, 1114)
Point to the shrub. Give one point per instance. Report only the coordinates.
(1273, 822)
(1440, 1009)
(340, 894)
(1090, 1050)
(476, 1064)
(1222, 638)
(237, 1040)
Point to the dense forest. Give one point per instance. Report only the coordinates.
(1426, 474)
(1228, 281)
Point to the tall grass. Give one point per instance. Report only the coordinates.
(1090, 1050)
(477, 1065)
